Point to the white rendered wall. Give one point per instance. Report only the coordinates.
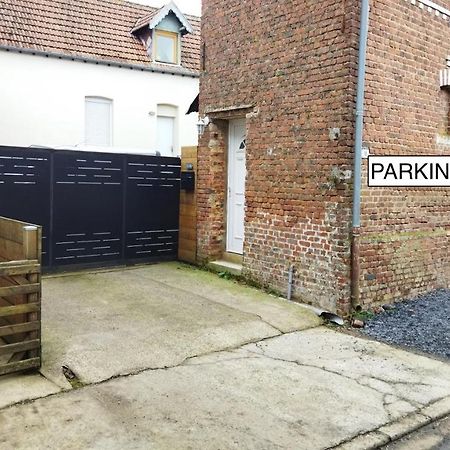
(42, 102)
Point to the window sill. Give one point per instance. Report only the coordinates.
(167, 63)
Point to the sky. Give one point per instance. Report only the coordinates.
(186, 6)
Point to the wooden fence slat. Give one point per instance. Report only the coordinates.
(10, 330)
(19, 263)
(19, 309)
(32, 363)
(188, 233)
(10, 250)
(190, 152)
(189, 245)
(188, 222)
(22, 289)
(20, 346)
(12, 230)
(186, 255)
(188, 210)
(22, 269)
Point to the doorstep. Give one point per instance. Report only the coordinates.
(226, 266)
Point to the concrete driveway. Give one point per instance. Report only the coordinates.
(172, 357)
(107, 324)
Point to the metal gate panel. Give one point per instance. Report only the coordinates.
(25, 189)
(153, 183)
(95, 208)
(87, 208)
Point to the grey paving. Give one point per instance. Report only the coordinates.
(305, 390)
(22, 387)
(175, 358)
(114, 323)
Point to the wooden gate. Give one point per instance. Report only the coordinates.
(20, 296)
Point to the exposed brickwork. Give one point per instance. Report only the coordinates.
(294, 62)
(211, 192)
(291, 67)
(405, 234)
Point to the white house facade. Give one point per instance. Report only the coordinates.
(121, 84)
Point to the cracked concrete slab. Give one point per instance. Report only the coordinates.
(212, 368)
(402, 378)
(233, 402)
(307, 389)
(23, 387)
(281, 314)
(107, 324)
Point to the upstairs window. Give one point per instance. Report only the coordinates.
(166, 47)
(161, 32)
(98, 121)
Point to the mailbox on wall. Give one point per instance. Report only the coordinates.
(188, 181)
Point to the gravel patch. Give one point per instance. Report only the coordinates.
(422, 323)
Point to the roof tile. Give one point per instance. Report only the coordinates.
(99, 29)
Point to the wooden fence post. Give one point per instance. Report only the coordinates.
(32, 251)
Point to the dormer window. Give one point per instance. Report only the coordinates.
(166, 46)
(160, 32)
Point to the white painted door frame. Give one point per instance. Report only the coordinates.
(236, 186)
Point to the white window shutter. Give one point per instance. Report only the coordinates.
(98, 122)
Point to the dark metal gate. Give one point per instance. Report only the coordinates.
(95, 208)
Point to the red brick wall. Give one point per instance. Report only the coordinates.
(405, 235)
(295, 63)
(211, 192)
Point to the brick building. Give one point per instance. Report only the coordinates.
(276, 161)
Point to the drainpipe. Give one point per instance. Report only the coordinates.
(290, 282)
(357, 180)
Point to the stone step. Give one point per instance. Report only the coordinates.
(226, 266)
(232, 258)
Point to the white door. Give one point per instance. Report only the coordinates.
(236, 186)
(165, 135)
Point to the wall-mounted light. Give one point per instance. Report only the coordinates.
(202, 124)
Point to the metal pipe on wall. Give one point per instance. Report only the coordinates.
(290, 282)
(357, 173)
